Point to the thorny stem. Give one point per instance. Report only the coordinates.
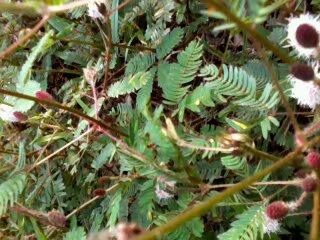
(219, 6)
(25, 38)
(62, 107)
(203, 207)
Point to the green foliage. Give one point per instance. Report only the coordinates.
(171, 76)
(249, 225)
(76, 234)
(10, 191)
(236, 164)
(180, 90)
(131, 83)
(169, 42)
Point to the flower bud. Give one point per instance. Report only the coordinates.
(313, 159)
(307, 36)
(99, 192)
(277, 210)
(302, 71)
(57, 219)
(309, 184)
(43, 95)
(20, 116)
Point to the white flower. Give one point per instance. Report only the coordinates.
(271, 225)
(306, 93)
(93, 10)
(170, 184)
(303, 34)
(161, 194)
(7, 113)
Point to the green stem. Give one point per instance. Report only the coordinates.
(246, 27)
(258, 153)
(203, 207)
(315, 224)
(18, 8)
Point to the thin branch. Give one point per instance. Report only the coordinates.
(112, 188)
(60, 149)
(25, 38)
(122, 5)
(203, 207)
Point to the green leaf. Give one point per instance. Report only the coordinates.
(131, 83)
(115, 22)
(10, 191)
(115, 210)
(144, 95)
(170, 41)
(35, 52)
(30, 88)
(75, 234)
(106, 155)
(38, 230)
(249, 225)
(172, 76)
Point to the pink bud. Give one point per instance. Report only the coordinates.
(277, 210)
(99, 192)
(20, 116)
(57, 219)
(43, 95)
(313, 159)
(309, 184)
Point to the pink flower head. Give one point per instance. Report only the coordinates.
(43, 95)
(277, 210)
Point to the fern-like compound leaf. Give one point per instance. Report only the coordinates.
(10, 191)
(130, 83)
(249, 225)
(170, 41)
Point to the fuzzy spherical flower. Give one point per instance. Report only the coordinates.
(43, 95)
(161, 194)
(307, 93)
(303, 34)
(57, 219)
(313, 159)
(309, 184)
(277, 210)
